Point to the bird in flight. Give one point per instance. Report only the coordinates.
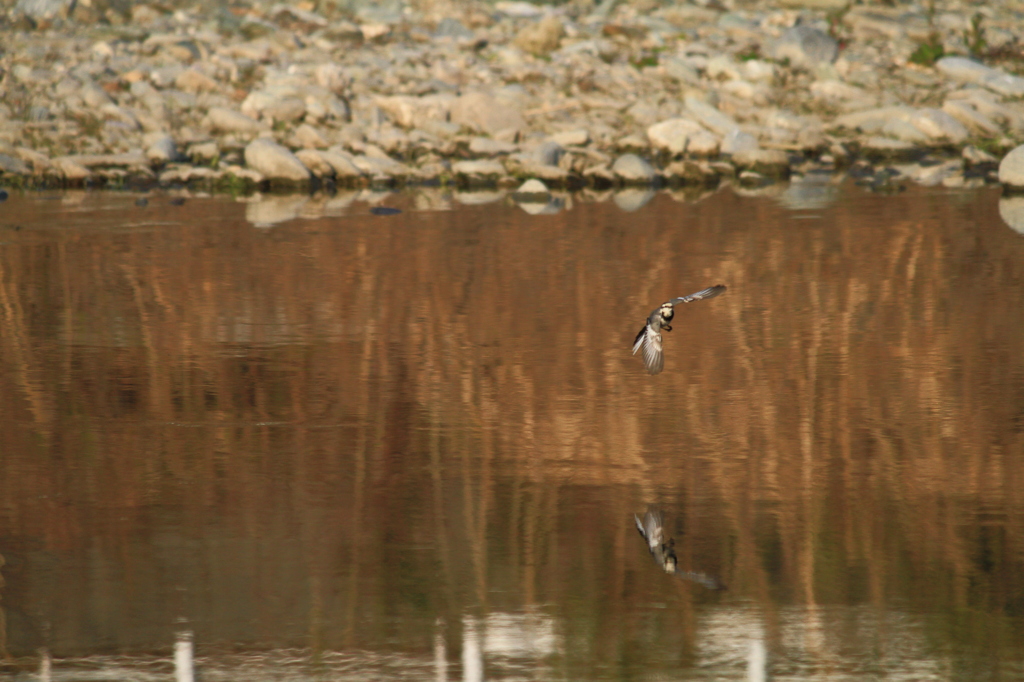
(649, 337)
(664, 553)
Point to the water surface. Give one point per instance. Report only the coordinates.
(330, 444)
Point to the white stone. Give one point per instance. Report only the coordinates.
(71, 169)
(341, 162)
(969, 71)
(230, 121)
(905, 130)
(380, 166)
(736, 141)
(709, 117)
(759, 71)
(533, 186)
(308, 137)
(722, 66)
(939, 125)
(317, 164)
(191, 80)
(1011, 168)
(518, 8)
(571, 138)
(805, 46)
(873, 119)
(274, 161)
(673, 135)
(411, 112)
(632, 168)
(94, 96)
(930, 176)
(703, 143)
(837, 90)
(746, 90)
(478, 168)
(39, 162)
(974, 156)
(487, 112)
(887, 145)
(966, 114)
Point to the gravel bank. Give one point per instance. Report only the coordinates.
(251, 96)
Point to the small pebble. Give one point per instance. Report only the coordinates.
(384, 210)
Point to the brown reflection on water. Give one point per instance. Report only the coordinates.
(360, 432)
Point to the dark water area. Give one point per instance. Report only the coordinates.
(331, 444)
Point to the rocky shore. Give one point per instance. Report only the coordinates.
(306, 95)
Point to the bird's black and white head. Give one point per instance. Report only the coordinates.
(666, 312)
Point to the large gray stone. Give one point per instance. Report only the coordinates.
(806, 47)
(162, 149)
(274, 161)
(548, 153)
(631, 168)
(1011, 168)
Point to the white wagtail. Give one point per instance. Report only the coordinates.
(663, 550)
(649, 337)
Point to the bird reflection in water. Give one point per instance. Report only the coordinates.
(662, 549)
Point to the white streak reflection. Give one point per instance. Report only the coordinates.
(472, 656)
(183, 666)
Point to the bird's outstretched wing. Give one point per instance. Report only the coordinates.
(650, 341)
(651, 528)
(710, 292)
